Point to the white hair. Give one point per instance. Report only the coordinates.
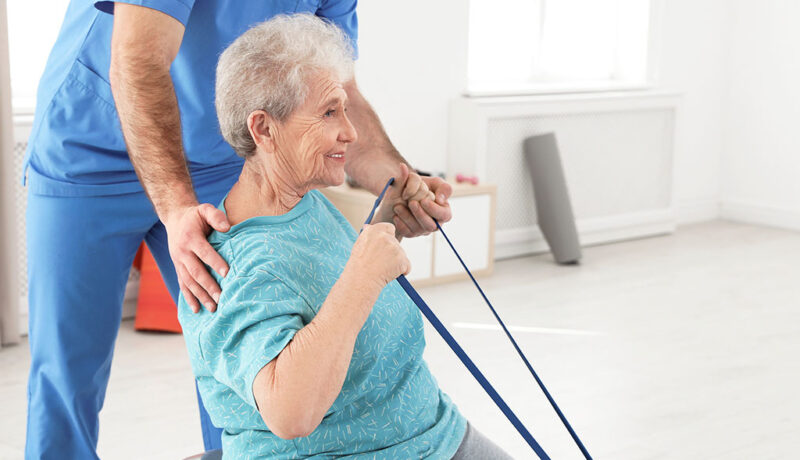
(267, 68)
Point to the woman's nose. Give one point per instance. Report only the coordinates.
(348, 133)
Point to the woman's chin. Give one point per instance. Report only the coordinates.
(335, 179)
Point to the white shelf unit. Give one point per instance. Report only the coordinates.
(471, 231)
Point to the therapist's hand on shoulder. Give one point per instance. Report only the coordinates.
(187, 230)
(418, 201)
(144, 43)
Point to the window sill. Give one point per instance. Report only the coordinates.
(22, 113)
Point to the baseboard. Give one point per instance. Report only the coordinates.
(770, 216)
(599, 230)
(690, 212)
(23, 316)
(131, 298)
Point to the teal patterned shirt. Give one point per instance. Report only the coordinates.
(281, 270)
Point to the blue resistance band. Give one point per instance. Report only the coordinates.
(462, 355)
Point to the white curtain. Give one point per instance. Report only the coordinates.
(9, 271)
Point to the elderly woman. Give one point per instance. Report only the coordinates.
(314, 350)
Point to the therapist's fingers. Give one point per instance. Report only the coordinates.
(402, 213)
(423, 219)
(412, 185)
(401, 228)
(200, 246)
(214, 217)
(440, 188)
(190, 299)
(187, 293)
(441, 213)
(198, 291)
(203, 249)
(199, 276)
(199, 272)
(187, 229)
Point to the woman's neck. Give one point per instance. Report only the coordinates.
(261, 191)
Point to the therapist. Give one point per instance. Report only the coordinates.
(125, 146)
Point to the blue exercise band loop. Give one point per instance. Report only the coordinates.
(465, 359)
(519, 351)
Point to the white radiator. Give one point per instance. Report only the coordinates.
(617, 152)
(22, 129)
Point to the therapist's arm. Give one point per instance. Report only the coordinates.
(296, 389)
(143, 45)
(372, 160)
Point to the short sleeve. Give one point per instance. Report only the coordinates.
(343, 14)
(257, 317)
(178, 9)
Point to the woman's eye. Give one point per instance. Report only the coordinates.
(330, 113)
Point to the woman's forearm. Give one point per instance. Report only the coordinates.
(297, 388)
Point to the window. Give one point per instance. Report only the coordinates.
(520, 46)
(31, 34)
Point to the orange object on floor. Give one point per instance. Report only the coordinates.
(155, 310)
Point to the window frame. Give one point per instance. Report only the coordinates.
(650, 82)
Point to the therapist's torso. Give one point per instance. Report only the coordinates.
(76, 145)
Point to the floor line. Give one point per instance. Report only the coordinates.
(535, 330)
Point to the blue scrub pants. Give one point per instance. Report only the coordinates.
(80, 251)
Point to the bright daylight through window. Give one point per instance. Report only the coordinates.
(524, 46)
(31, 34)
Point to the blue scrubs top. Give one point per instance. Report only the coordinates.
(281, 271)
(76, 146)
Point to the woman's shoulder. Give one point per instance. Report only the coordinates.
(248, 253)
(324, 204)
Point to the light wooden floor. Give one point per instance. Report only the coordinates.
(676, 347)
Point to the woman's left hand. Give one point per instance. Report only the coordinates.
(416, 201)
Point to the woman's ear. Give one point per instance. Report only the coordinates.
(261, 127)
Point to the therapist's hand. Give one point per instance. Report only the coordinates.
(187, 229)
(423, 199)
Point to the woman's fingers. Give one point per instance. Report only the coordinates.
(384, 227)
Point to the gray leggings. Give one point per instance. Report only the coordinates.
(476, 446)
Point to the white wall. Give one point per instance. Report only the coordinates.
(692, 61)
(761, 167)
(411, 65)
(412, 62)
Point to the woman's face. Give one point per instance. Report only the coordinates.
(310, 146)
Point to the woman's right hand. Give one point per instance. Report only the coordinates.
(377, 255)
